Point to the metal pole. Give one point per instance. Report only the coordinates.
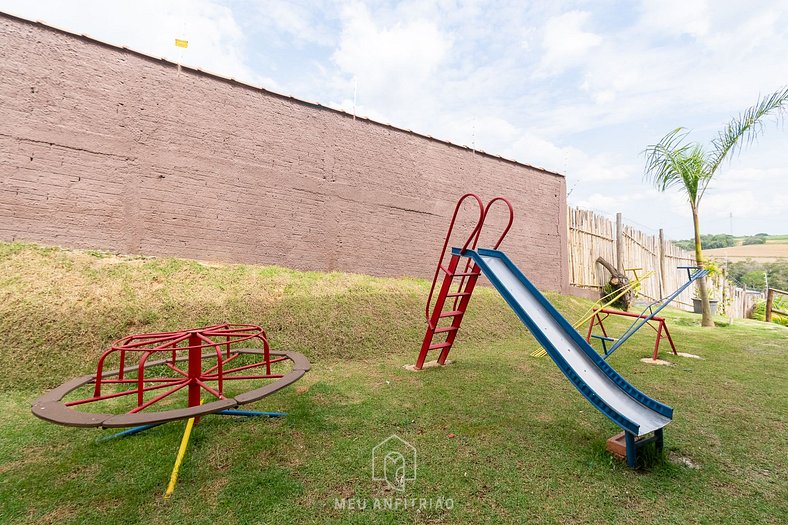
(619, 242)
(661, 263)
(128, 432)
(195, 369)
(179, 458)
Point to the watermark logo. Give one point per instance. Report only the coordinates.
(394, 461)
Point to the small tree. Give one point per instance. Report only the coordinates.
(674, 162)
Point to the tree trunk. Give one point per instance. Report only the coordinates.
(702, 288)
(617, 281)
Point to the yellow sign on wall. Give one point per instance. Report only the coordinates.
(181, 43)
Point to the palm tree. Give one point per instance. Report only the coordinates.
(675, 162)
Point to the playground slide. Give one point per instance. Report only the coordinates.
(604, 388)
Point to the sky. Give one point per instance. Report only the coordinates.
(576, 87)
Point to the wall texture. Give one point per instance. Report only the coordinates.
(102, 147)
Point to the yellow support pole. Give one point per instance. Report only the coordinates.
(179, 458)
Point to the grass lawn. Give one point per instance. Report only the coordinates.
(502, 435)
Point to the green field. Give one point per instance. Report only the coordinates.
(502, 435)
(775, 249)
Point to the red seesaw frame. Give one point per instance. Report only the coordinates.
(661, 328)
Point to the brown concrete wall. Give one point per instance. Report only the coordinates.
(102, 147)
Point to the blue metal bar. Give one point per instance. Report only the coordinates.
(249, 413)
(228, 412)
(688, 268)
(604, 341)
(659, 439)
(634, 445)
(638, 323)
(129, 432)
(632, 451)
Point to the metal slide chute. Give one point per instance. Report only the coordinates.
(599, 383)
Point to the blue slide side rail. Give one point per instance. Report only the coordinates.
(584, 389)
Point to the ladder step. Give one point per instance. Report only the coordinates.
(445, 329)
(461, 274)
(439, 345)
(459, 294)
(453, 313)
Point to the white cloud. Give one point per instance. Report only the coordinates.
(678, 17)
(573, 162)
(392, 64)
(751, 192)
(650, 70)
(293, 22)
(216, 42)
(565, 42)
(599, 202)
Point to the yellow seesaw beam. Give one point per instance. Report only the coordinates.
(179, 458)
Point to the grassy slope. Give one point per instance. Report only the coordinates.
(528, 448)
(67, 306)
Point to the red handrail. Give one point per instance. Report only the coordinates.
(473, 238)
(469, 262)
(511, 218)
(446, 242)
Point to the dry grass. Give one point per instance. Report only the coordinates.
(772, 251)
(60, 308)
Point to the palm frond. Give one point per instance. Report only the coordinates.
(674, 162)
(745, 128)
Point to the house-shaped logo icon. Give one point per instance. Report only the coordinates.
(394, 461)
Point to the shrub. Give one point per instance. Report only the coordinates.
(754, 240)
(620, 303)
(759, 311)
(708, 242)
(755, 279)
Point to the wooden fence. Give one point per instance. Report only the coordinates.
(592, 235)
(771, 302)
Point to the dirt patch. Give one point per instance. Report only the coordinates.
(684, 461)
(430, 364)
(656, 361)
(58, 515)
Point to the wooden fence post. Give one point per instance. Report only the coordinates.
(619, 242)
(769, 304)
(661, 263)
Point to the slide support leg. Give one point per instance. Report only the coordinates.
(633, 445)
(632, 452)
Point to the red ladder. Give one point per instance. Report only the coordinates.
(461, 296)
